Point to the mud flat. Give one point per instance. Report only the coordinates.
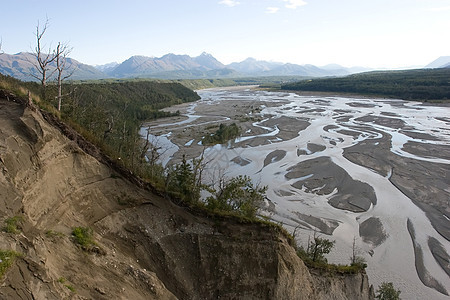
(372, 231)
(322, 176)
(345, 167)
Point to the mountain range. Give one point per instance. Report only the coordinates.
(21, 66)
(173, 66)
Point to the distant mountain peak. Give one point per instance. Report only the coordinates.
(20, 66)
(332, 67)
(440, 62)
(206, 54)
(107, 67)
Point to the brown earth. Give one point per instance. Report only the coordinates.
(147, 247)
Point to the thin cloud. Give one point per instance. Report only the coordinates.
(293, 4)
(272, 10)
(229, 3)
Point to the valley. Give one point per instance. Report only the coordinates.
(78, 224)
(350, 168)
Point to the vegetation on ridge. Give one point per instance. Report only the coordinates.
(387, 291)
(421, 84)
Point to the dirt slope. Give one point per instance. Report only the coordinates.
(148, 248)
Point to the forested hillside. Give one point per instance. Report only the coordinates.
(422, 85)
(109, 113)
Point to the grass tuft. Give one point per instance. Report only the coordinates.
(7, 258)
(13, 224)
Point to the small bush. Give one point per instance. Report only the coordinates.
(386, 291)
(7, 258)
(316, 249)
(83, 236)
(54, 234)
(13, 224)
(238, 195)
(71, 288)
(314, 257)
(62, 280)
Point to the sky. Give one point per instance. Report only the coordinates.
(369, 33)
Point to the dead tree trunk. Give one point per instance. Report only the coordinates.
(43, 60)
(61, 54)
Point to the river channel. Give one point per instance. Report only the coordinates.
(352, 169)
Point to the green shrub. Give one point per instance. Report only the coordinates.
(237, 195)
(62, 280)
(53, 234)
(316, 249)
(314, 257)
(330, 268)
(386, 291)
(183, 181)
(83, 236)
(7, 258)
(13, 224)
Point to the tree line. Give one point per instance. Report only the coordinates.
(420, 85)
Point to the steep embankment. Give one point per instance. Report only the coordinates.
(147, 247)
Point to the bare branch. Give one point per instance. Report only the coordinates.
(43, 60)
(1, 43)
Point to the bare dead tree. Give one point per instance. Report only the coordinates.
(356, 257)
(61, 54)
(294, 234)
(152, 151)
(199, 166)
(43, 60)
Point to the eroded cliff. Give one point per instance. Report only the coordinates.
(147, 247)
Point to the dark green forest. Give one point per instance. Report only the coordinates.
(420, 85)
(222, 135)
(197, 84)
(109, 114)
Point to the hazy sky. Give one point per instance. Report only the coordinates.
(373, 33)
